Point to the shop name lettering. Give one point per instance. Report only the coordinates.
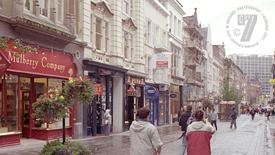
(35, 63)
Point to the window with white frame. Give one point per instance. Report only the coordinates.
(148, 32)
(60, 10)
(128, 7)
(175, 25)
(128, 45)
(171, 21)
(176, 58)
(98, 33)
(106, 36)
(44, 7)
(28, 5)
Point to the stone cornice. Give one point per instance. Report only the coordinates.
(21, 23)
(159, 6)
(102, 6)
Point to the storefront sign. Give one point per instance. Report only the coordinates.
(173, 95)
(135, 81)
(43, 62)
(4, 64)
(162, 64)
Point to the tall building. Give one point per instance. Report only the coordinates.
(256, 67)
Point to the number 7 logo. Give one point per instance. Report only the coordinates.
(249, 21)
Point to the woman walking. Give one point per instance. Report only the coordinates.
(107, 122)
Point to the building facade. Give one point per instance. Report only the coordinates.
(50, 28)
(256, 67)
(113, 33)
(218, 69)
(194, 60)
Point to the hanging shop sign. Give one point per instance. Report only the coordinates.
(44, 62)
(131, 91)
(151, 92)
(98, 89)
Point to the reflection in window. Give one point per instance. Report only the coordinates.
(98, 33)
(11, 98)
(43, 5)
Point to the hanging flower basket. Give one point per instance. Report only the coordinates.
(79, 89)
(50, 108)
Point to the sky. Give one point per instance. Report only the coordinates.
(228, 23)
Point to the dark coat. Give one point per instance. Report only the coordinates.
(184, 119)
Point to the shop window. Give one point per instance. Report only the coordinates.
(1, 108)
(60, 10)
(57, 84)
(98, 33)
(11, 100)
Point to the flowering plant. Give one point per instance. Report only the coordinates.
(50, 107)
(79, 89)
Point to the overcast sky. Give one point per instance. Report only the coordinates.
(216, 15)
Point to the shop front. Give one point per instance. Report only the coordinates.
(134, 98)
(175, 102)
(105, 78)
(24, 77)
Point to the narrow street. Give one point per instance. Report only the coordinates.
(250, 138)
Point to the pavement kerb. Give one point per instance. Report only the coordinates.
(125, 133)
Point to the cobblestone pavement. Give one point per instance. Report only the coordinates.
(251, 138)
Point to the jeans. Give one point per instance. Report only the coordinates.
(233, 122)
(214, 122)
(183, 145)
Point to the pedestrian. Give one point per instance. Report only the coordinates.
(144, 136)
(268, 112)
(107, 118)
(185, 120)
(214, 118)
(198, 135)
(233, 115)
(252, 113)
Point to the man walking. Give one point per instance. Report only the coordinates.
(233, 116)
(252, 113)
(214, 118)
(184, 121)
(144, 136)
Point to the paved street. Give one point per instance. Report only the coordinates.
(251, 138)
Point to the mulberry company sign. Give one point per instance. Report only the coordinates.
(43, 62)
(247, 26)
